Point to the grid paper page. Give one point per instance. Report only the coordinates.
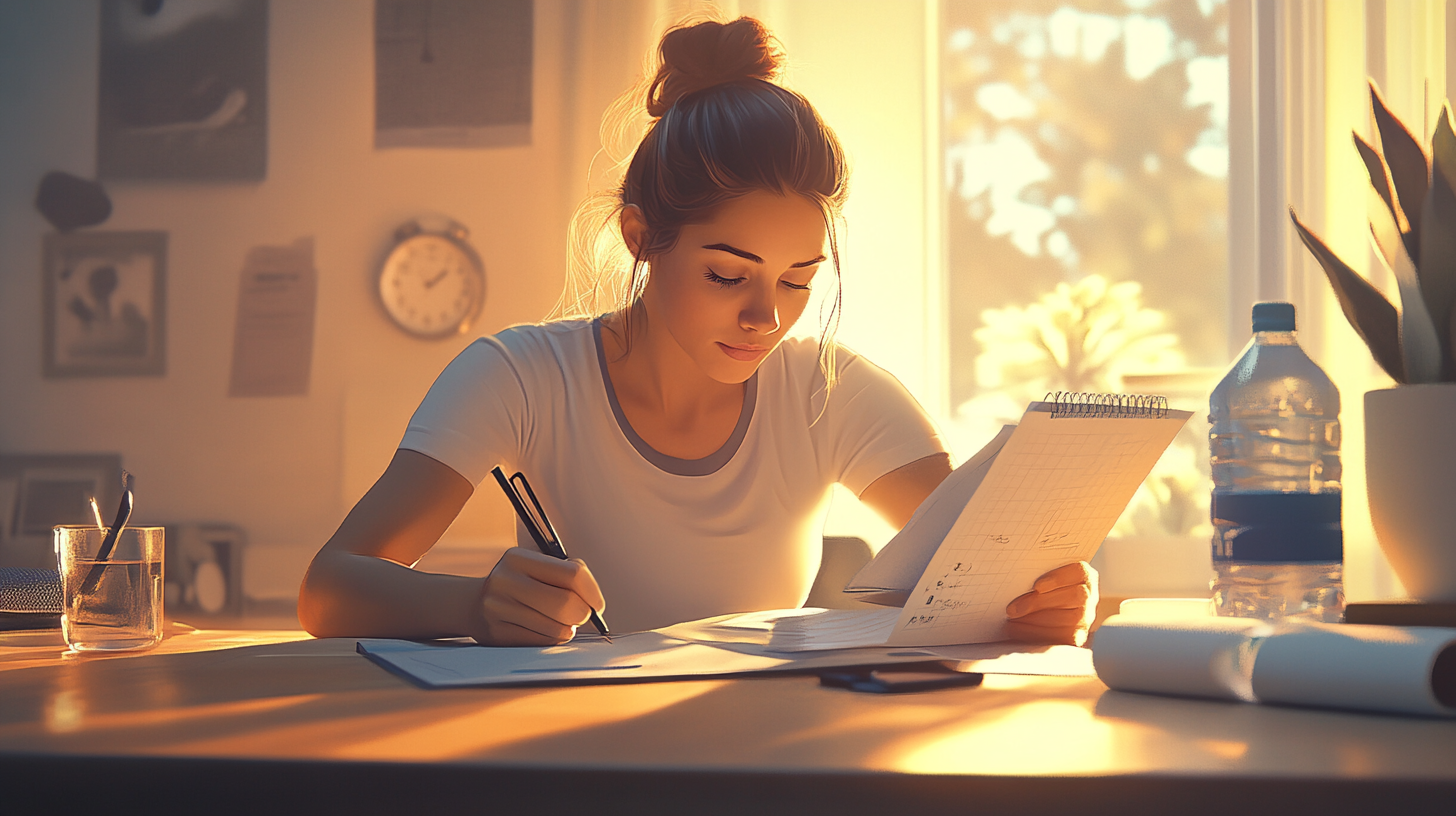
(1051, 496)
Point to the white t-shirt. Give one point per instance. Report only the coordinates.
(671, 539)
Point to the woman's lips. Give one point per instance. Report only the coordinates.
(744, 353)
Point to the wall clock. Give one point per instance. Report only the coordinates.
(432, 283)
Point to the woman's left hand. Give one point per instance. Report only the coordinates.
(1058, 609)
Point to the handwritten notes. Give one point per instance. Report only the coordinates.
(1054, 490)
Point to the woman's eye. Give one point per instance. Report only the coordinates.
(802, 287)
(720, 281)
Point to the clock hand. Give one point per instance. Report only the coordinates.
(430, 284)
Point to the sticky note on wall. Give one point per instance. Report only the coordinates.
(273, 336)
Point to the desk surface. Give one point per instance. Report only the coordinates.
(273, 721)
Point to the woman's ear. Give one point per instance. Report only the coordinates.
(634, 229)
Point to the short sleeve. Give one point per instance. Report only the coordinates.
(872, 425)
(474, 416)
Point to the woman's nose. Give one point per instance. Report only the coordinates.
(761, 313)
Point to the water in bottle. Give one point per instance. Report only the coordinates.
(1278, 549)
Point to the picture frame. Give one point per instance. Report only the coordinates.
(453, 73)
(182, 91)
(104, 297)
(39, 491)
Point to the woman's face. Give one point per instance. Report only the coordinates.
(732, 288)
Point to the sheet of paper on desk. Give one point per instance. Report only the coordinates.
(650, 656)
(643, 655)
(821, 637)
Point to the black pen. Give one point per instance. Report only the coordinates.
(540, 528)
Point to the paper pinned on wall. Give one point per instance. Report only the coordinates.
(273, 336)
(452, 73)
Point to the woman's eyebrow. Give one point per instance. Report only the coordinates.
(749, 256)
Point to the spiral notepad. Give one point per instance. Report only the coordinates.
(1043, 493)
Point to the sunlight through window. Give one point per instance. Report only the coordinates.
(1086, 166)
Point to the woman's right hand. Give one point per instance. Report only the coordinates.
(532, 599)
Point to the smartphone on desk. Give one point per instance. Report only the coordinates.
(900, 679)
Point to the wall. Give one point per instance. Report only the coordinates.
(863, 65)
(287, 469)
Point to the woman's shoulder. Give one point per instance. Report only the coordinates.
(558, 338)
(801, 357)
(547, 332)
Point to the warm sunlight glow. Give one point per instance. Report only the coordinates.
(1026, 739)
(66, 712)
(1230, 750)
(544, 713)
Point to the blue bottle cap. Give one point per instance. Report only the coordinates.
(1274, 316)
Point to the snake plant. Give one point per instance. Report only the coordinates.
(1412, 212)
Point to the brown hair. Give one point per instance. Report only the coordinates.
(722, 128)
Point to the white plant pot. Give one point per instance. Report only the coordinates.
(1410, 468)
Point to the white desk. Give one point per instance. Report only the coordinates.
(274, 722)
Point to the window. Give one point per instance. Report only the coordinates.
(1140, 151)
(1086, 166)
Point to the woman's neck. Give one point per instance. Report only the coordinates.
(671, 403)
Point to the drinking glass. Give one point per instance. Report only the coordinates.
(115, 603)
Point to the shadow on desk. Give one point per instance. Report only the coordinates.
(277, 722)
(256, 614)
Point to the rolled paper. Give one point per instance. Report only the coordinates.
(1165, 608)
(1187, 656)
(1407, 670)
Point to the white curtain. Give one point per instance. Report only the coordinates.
(1301, 92)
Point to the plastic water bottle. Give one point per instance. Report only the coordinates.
(1278, 549)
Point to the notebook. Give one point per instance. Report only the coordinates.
(1042, 493)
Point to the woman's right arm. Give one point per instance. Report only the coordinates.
(361, 583)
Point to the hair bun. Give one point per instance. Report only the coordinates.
(706, 54)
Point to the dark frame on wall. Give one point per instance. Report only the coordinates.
(104, 297)
(183, 91)
(39, 491)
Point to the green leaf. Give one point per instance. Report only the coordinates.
(1420, 346)
(1409, 169)
(1369, 313)
(1437, 272)
(1375, 166)
(1388, 237)
(1380, 181)
(1443, 143)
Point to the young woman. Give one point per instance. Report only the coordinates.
(682, 446)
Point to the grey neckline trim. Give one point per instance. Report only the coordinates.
(709, 464)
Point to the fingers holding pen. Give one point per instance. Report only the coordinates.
(534, 599)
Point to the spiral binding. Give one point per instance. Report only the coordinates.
(1069, 404)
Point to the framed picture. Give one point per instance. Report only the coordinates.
(183, 90)
(39, 491)
(452, 73)
(104, 300)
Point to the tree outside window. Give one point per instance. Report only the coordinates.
(1086, 164)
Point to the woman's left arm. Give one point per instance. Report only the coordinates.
(1061, 605)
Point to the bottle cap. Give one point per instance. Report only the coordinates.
(1274, 316)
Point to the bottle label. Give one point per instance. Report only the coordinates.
(1277, 528)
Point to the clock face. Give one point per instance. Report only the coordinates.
(432, 286)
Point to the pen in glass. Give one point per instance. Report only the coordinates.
(540, 527)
